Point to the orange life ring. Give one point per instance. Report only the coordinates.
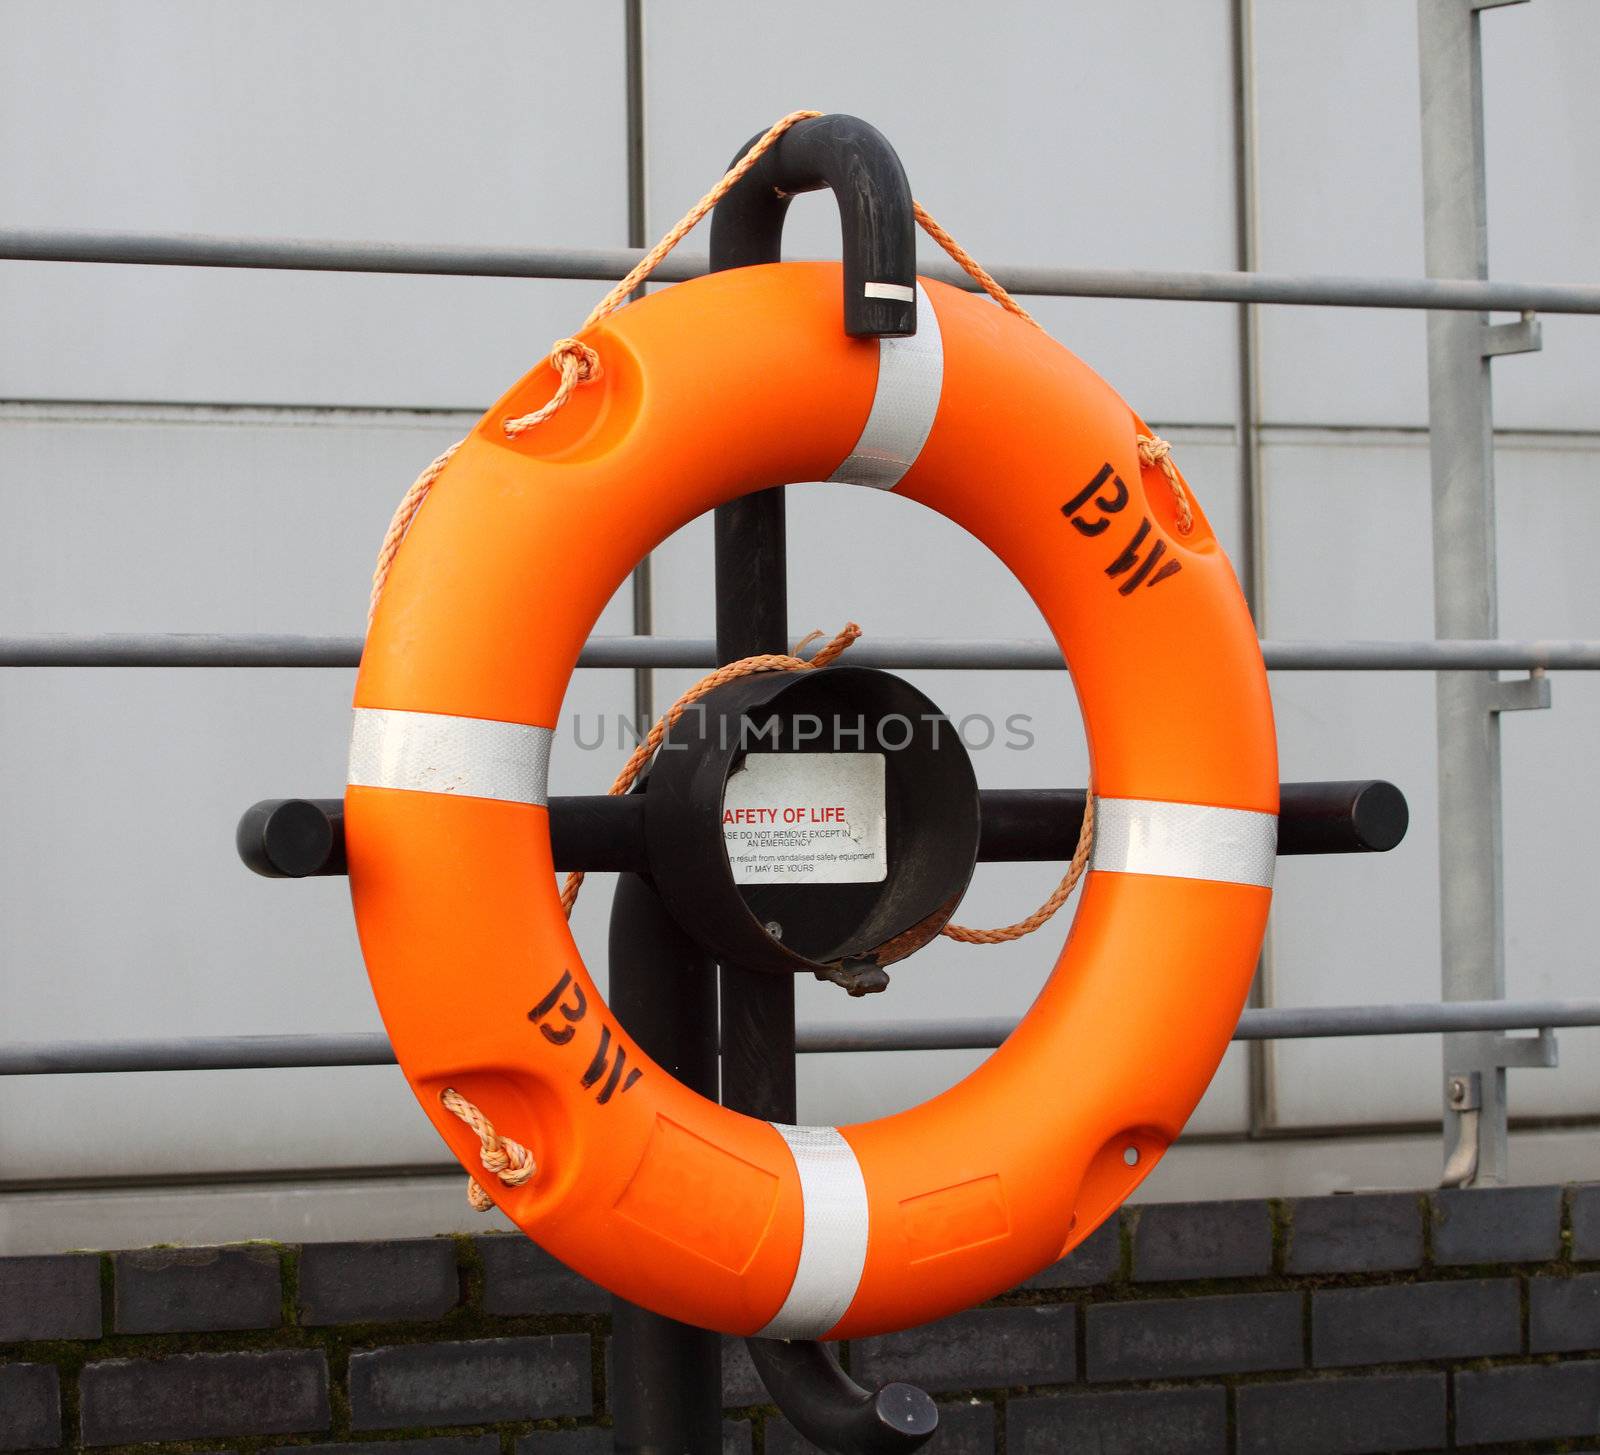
(711, 389)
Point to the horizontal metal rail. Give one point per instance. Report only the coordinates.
(259, 1053)
(154, 649)
(193, 250)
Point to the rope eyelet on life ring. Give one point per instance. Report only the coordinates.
(724, 385)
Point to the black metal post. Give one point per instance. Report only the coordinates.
(666, 1380)
(752, 588)
(752, 617)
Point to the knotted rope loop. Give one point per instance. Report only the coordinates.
(577, 364)
(1153, 450)
(508, 1160)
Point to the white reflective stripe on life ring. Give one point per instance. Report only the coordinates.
(833, 1237)
(1184, 841)
(432, 752)
(910, 378)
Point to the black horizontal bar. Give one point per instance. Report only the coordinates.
(1363, 816)
(295, 838)
(298, 838)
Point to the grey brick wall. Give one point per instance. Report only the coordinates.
(1322, 1326)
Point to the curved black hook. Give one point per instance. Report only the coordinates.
(834, 1412)
(857, 163)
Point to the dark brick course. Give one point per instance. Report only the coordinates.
(53, 1297)
(30, 1407)
(1564, 1314)
(1463, 1318)
(1343, 1416)
(1168, 1338)
(519, 1277)
(199, 1396)
(1181, 1240)
(965, 1428)
(1530, 1402)
(1586, 1223)
(1131, 1422)
(398, 1282)
(181, 1290)
(737, 1439)
(1496, 1225)
(470, 1382)
(980, 1349)
(1097, 1259)
(591, 1440)
(1365, 1233)
(439, 1445)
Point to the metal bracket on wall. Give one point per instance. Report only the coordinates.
(1526, 336)
(1464, 1096)
(1538, 1052)
(1517, 694)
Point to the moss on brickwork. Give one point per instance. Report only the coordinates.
(1281, 1217)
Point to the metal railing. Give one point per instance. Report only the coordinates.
(605, 265)
(156, 649)
(268, 1053)
(1474, 1016)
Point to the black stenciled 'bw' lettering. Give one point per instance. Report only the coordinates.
(597, 1068)
(1129, 559)
(572, 1012)
(1113, 501)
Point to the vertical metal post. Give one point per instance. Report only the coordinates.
(1461, 446)
(666, 1382)
(644, 711)
(758, 1075)
(1261, 1056)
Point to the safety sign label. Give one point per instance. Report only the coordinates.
(806, 818)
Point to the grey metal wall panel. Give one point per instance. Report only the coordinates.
(1340, 178)
(1541, 116)
(486, 121)
(1341, 192)
(123, 908)
(1348, 553)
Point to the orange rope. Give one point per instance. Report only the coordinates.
(1058, 895)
